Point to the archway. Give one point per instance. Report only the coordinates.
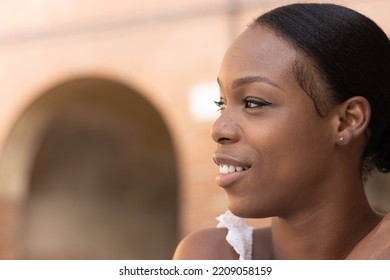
(100, 175)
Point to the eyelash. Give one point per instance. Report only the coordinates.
(249, 103)
(220, 104)
(258, 103)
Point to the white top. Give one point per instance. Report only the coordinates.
(239, 236)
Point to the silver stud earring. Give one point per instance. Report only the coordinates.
(340, 141)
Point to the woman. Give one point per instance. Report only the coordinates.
(305, 98)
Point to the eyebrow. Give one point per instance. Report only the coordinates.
(252, 79)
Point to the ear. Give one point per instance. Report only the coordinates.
(354, 117)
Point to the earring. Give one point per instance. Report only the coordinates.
(340, 141)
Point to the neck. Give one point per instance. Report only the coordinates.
(327, 231)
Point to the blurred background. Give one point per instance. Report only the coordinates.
(106, 108)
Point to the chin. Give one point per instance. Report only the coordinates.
(244, 210)
(249, 212)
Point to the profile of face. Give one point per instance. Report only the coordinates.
(275, 151)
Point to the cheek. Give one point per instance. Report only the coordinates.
(287, 157)
(280, 133)
(292, 145)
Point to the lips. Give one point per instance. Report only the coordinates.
(231, 169)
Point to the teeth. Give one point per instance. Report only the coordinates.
(225, 169)
(232, 169)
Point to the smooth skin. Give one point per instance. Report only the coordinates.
(304, 169)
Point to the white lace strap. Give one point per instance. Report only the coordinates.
(240, 235)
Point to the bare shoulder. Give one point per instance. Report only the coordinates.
(208, 244)
(376, 245)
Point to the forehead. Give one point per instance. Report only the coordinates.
(259, 51)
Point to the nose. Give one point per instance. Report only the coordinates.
(225, 129)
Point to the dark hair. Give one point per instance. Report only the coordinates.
(342, 53)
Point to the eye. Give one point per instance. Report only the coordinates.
(252, 103)
(220, 104)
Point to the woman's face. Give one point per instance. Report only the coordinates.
(274, 150)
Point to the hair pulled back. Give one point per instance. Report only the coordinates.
(351, 54)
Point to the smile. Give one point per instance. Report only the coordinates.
(231, 169)
(225, 169)
(229, 175)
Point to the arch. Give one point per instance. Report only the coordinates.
(93, 164)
